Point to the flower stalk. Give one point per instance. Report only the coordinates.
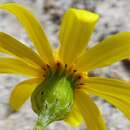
(41, 123)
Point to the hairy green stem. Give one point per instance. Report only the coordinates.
(41, 123)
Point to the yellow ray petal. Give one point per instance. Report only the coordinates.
(15, 66)
(110, 50)
(18, 49)
(122, 105)
(22, 92)
(114, 91)
(3, 51)
(33, 28)
(76, 29)
(89, 111)
(75, 117)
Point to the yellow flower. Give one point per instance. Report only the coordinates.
(72, 59)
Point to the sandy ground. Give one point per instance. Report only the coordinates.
(115, 18)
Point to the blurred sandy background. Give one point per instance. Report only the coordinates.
(115, 17)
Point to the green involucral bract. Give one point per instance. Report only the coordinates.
(52, 100)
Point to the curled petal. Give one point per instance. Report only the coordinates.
(76, 29)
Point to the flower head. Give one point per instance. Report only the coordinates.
(59, 86)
